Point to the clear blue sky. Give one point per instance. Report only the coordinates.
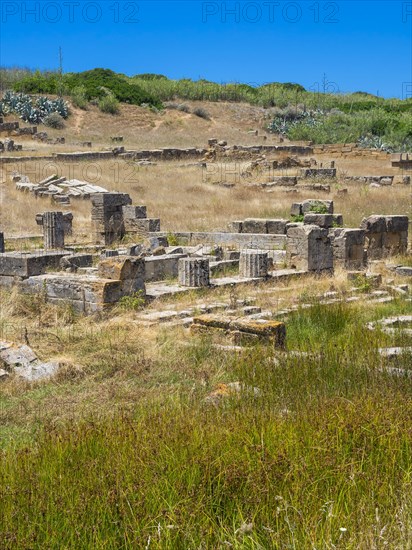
(365, 45)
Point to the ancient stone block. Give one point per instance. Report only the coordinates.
(134, 212)
(308, 247)
(385, 235)
(121, 268)
(255, 225)
(316, 205)
(72, 263)
(276, 227)
(272, 331)
(236, 226)
(253, 264)
(28, 264)
(322, 220)
(348, 248)
(282, 181)
(318, 172)
(193, 272)
(144, 225)
(159, 268)
(107, 216)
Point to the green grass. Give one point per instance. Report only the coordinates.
(321, 458)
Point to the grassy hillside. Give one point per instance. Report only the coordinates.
(298, 114)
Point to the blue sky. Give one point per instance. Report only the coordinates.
(365, 45)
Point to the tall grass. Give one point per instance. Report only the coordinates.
(320, 458)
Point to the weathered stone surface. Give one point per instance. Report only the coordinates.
(27, 264)
(134, 212)
(107, 216)
(322, 220)
(309, 247)
(311, 205)
(403, 271)
(261, 328)
(250, 240)
(144, 225)
(22, 361)
(129, 270)
(72, 263)
(159, 268)
(318, 172)
(385, 235)
(276, 226)
(348, 248)
(253, 264)
(53, 230)
(90, 293)
(282, 181)
(194, 272)
(236, 226)
(255, 225)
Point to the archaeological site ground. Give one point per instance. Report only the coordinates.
(205, 315)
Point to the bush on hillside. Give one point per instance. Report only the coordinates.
(109, 104)
(79, 97)
(54, 120)
(202, 113)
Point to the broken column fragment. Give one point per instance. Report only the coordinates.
(194, 272)
(253, 264)
(53, 230)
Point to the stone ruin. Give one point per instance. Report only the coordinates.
(9, 145)
(312, 241)
(113, 215)
(55, 226)
(59, 189)
(385, 235)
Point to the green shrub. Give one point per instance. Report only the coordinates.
(109, 104)
(54, 120)
(79, 97)
(134, 302)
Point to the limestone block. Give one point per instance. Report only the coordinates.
(276, 227)
(255, 225)
(322, 220)
(134, 212)
(309, 247)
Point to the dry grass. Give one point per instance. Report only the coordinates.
(184, 197)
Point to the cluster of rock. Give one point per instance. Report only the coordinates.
(23, 362)
(9, 145)
(60, 189)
